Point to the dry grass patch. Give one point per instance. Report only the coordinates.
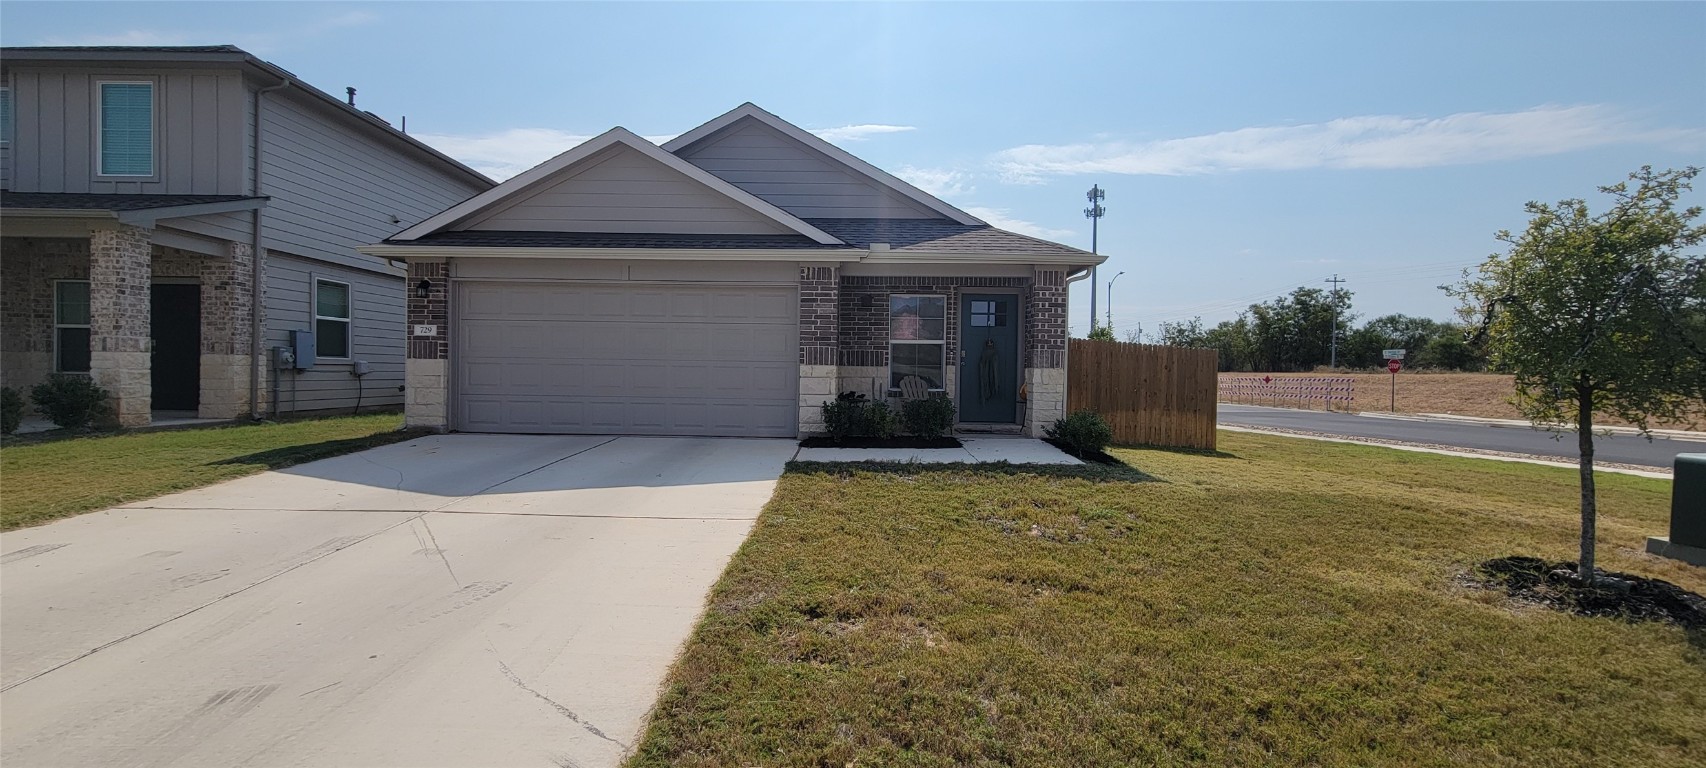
(42, 481)
(1281, 602)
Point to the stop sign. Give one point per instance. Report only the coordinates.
(1394, 365)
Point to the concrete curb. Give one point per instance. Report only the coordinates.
(1442, 452)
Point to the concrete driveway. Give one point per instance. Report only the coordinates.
(474, 600)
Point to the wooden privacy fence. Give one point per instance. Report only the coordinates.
(1150, 395)
(1308, 391)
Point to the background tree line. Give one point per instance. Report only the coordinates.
(1294, 333)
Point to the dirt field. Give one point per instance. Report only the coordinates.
(1462, 394)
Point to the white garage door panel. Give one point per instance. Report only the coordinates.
(668, 360)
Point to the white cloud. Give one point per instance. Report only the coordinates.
(859, 132)
(506, 153)
(1369, 141)
(941, 182)
(1001, 218)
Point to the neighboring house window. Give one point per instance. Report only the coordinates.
(71, 326)
(5, 115)
(917, 338)
(127, 129)
(331, 318)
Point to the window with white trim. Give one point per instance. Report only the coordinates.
(126, 136)
(5, 115)
(71, 326)
(918, 333)
(331, 318)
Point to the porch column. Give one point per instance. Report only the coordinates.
(1045, 342)
(426, 400)
(227, 309)
(120, 273)
(820, 329)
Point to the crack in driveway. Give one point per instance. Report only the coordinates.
(561, 710)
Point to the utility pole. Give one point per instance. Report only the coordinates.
(1333, 300)
(1094, 213)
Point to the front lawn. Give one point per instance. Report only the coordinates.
(1284, 602)
(49, 480)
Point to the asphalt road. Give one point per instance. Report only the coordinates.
(1623, 449)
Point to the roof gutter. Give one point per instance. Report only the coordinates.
(859, 255)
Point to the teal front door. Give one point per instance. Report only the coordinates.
(989, 358)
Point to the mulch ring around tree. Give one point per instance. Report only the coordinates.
(822, 441)
(1094, 457)
(1616, 595)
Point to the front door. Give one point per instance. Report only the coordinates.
(989, 358)
(175, 326)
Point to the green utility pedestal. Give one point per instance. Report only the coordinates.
(1687, 540)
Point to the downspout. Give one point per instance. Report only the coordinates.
(257, 346)
(1066, 353)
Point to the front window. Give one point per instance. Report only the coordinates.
(71, 326)
(918, 329)
(331, 318)
(5, 115)
(127, 129)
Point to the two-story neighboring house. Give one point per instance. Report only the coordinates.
(171, 215)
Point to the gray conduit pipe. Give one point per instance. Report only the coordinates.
(257, 344)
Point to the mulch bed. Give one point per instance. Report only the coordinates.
(1096, 457)
(1617, 595)
(881, 442)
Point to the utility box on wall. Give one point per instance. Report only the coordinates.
(1687, 541)
(302, 344)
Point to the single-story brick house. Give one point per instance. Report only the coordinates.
(726, 284)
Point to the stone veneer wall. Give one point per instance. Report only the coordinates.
(820, 295)
(227, 340)
(426, 397)
(120, 276)
(28, 267)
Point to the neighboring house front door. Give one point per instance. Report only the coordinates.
(989, 358)
(175, 370)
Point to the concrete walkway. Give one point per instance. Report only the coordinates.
(1014, 450)
(461, 600)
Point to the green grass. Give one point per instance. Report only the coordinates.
(1284, 602)
(49, 480)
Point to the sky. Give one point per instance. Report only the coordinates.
(1246, 148)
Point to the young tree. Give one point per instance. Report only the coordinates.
(1599, 313)
(1101, 332)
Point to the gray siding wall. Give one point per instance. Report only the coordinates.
(777, 169)
(196, 152)
(333, 188)
(376, 334)
(622, 190)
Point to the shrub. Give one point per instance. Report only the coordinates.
(929, 418)
(880, 420)
(1084, 432)
(71, 401)
(11, 410)
(855, 415)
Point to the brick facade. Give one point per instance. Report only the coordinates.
(120, 280)
(28, 267)
(864, 327)
(820, 291)
(1045, 320)
(432, 310)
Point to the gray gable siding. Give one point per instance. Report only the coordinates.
(196, 151)
(333, 189)
(624, 191)
(796, 179)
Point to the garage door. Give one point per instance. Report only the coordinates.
(689, 359)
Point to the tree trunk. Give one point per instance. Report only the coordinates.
(1584, 439)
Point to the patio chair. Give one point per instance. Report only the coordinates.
(914, 388)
